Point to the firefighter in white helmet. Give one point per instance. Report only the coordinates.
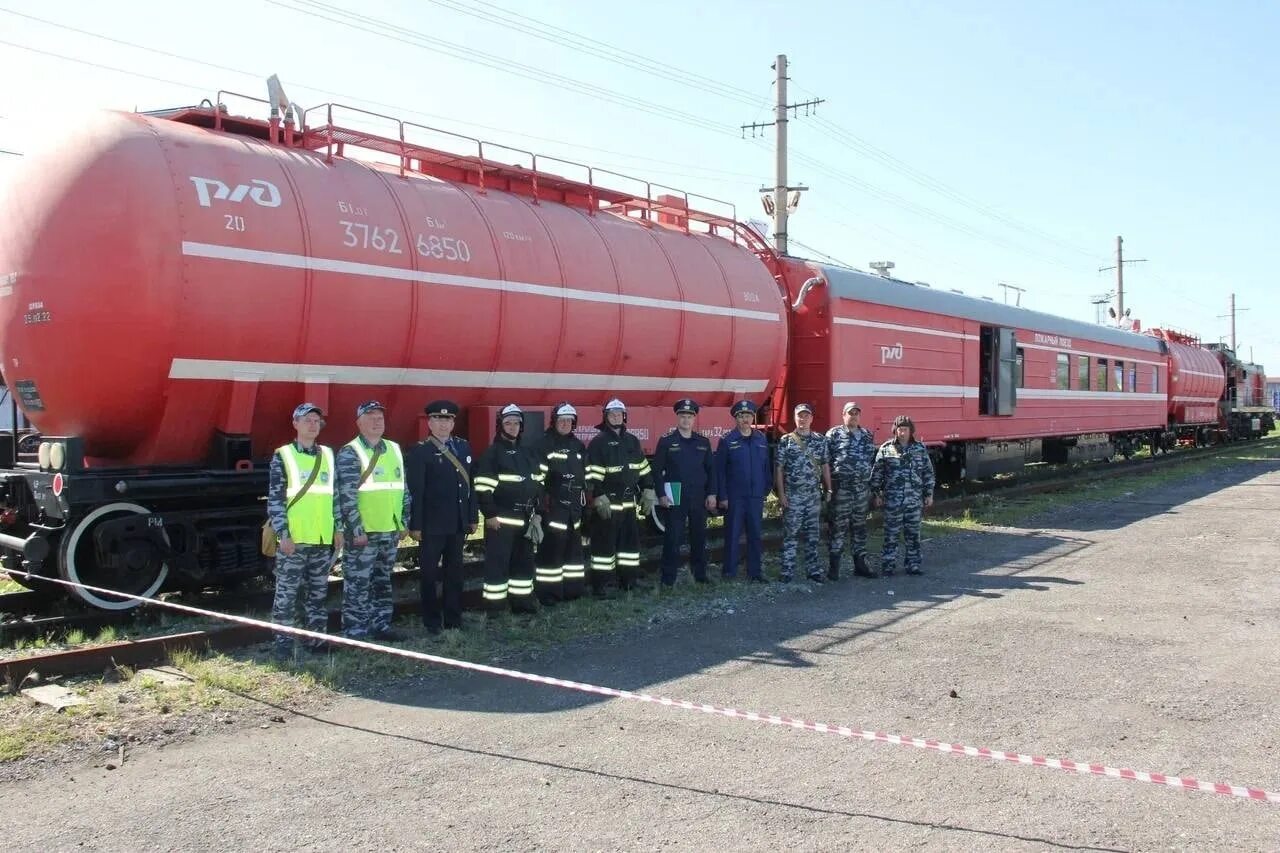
(561, 573)
(618, 477)
(509, 486)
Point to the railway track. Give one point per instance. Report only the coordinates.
(149, 650)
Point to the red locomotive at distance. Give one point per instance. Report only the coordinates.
(173, 284)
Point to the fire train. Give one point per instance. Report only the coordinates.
(172, 284)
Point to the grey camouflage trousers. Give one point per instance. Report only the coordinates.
(902, 516)
(302, 579)
(366, 585)
(849, 518)
(800, 520)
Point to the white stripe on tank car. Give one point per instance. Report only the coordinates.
(288, 260)
(339, 374)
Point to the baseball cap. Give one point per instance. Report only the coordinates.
(369, 406)
(305, 409)
(804, 407)
(851, 407)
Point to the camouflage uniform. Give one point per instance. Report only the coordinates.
(305, 573)
(850, 452)
(904, 478)
(366, 571)
(801, 459)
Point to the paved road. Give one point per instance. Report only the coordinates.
(1140, 632)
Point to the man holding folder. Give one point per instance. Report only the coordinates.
(686, 484)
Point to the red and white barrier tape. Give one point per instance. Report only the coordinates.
(1078, 767)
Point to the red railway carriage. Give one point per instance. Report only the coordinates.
(990, 386)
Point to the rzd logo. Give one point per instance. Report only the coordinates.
(893, 353)
(262, 193)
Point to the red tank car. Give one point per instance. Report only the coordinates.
(1196, 384)
(221, 278)
(174, 284)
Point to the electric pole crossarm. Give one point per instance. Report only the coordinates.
(1119, 268)
(777, 206)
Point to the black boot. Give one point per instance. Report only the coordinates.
(833, 571)
(860, 567)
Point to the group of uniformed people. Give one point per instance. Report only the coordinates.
(537, 498)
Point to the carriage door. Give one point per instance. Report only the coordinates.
(998, 384)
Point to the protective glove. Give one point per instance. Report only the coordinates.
(648, 500)
(601, 505)
(534, 531)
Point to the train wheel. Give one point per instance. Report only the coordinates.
(142, 572)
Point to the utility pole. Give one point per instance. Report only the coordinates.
(1007, 288)
(1232, 310)
(1119, 268)
(778, 206)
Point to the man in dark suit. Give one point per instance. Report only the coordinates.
(444, 511)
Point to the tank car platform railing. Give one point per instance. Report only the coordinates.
(482, 171)
(672, 208)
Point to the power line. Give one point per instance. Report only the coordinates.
(393, 32)
(844, 137)
(567, 38)
(527, 25)
(328, 92)
(822, 254)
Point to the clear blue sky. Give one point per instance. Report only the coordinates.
(969, 143)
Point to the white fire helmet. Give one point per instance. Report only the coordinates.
(616, 405)
(566, 410)
(508, 411)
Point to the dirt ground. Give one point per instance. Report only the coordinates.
(1138, 632)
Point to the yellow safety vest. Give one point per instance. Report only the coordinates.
(381, 496)
(310, 519)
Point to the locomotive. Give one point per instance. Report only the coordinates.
(173, 283)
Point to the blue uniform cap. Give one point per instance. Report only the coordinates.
(743, 406)
(369, 406)
(686, 405)
(804, 407)
(445, 408)
(305, 409)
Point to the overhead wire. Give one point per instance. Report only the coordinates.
(414, 38)
(358, 99)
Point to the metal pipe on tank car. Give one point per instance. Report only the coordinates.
(804, 291)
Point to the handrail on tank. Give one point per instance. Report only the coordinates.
(328, 108)
(217, 112)
(591, 188)
(478, 143)
(683, 194)
(532, 157)
(648, 192)
(626, 202)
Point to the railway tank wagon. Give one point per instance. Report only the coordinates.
(176, 283)
(1196, 386)
(991, 387)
